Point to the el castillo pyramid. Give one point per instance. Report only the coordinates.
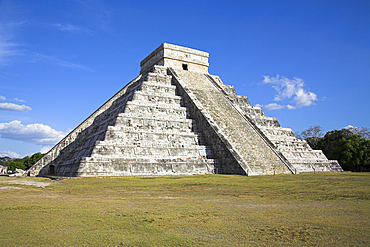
(176, 118)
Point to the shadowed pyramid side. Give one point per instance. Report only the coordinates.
(252, 151)
(298, 152)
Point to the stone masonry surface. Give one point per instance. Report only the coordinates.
(145, 131)
(259, 159)
(175, 118)
(302, 157)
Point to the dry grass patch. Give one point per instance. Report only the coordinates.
(217, 210)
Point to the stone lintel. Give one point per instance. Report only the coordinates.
(177, 57)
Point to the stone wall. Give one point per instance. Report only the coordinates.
(175, 56)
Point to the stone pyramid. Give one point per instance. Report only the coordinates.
(176, 118)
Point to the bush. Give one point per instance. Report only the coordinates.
(25, 162)
(352, 151)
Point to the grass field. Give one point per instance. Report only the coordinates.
(322, 209)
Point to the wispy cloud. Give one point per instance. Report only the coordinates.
(8, 153)
(20, 100)
(59, 62)
(14, 107)
(9, 49)
(289, 89)
(72, 28)
(2, 98)
(33, 133)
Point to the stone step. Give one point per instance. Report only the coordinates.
(278, 132)
(175, 140)
(158, 88)
(281, 140)
(125, 115)
(266, 122)
(90, 166)
(155, 115)
(306, 166)
(181, 124)
(147, 151)
(150, 127)
(123, 132)
(335, 166)
(147, 144)
(159, 79)
(151, 104)
(252, 111)
(304, 154)
(122, 167)
(145, 107)
(156, 98)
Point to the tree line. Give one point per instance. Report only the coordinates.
(23, 163)
(350, 146)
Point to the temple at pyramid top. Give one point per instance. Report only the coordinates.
(177, 57)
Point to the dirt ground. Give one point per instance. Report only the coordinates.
(23, 182)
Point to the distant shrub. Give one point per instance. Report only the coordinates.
(25, 162)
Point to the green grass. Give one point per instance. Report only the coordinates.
(322, 209)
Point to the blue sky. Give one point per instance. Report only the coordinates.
(305, 62)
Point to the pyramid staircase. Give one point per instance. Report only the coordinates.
(254, 153)
(298, 152)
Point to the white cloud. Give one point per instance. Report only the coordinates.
(291, 88)
(20, 100)
(45, 149)
(291, 107)
(303, 98)
(14, 107)
(273, 106)
(33, 133)
(2, 98)
(351, 127)
(258, 105)
(10, 154)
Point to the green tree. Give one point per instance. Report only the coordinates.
(18, 164)
(32, 160)
(5, 161)
(25, 162)
(352, 151)
(331, 139)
